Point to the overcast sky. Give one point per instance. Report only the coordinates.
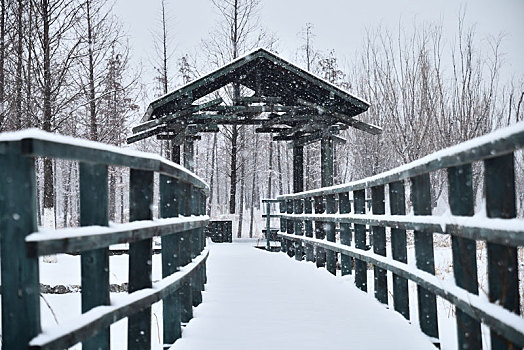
(338, 24)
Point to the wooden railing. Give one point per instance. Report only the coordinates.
(343, 206)
(182, 198)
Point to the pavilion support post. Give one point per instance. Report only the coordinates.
(175, 152)
(189, 150)
(298, 168)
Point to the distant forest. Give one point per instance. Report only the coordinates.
(65, 67)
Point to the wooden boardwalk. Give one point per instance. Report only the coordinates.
(260, 300)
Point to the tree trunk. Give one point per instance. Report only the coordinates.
(93, 127)
(279, 168)
(2, 61)
(19, 63)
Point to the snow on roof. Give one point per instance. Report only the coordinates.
(248, 57)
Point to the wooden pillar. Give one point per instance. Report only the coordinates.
(298, 168)
(326, 162)
(175, 152)
(189, 150)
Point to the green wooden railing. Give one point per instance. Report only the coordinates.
(182, 198)
(343, 206)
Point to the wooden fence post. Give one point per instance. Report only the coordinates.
(299, 228)
(283, 224)
(397, 206)
(379, 244)
(361, 273)
(308, 228)
(331, 256)
(320, 232)
(290, 245)
(94, 263)
(502, 260)
(196, 283)
(186, 297)
(170, 261)
(140, 257)
(345, 233)
(20, 284)
(427, 301)
(460, 193)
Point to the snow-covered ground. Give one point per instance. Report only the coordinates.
(256, 299)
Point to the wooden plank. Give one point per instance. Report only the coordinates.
(67, 335)
(460, 193)
(94, 263)
(397, 205)
(483, 147)
(298, 208)
(503, 279)
(195, 248)
(424, 255)
(308, 229)
(170, 262)
(345, 233)
(283, 225)
(183, 197)
(320, 232)
(93, 152)
(290, 228)
(379, 244)
(331, 257)
(140, 257)
(179, 114)
(20, 284)
(361, 273)
(74, 240)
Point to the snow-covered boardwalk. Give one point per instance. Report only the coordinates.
(260, 300)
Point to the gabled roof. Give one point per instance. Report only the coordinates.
(275, 76)
(309, 106)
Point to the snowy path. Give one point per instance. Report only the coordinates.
(260, 300)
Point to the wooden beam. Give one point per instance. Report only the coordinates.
(357, 124)
(145, 134)
(260, 99)
(188, 111)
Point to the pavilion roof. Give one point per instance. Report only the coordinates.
(287, 101)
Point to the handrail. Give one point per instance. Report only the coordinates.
(182, 197)
(495, 144)
(343, 206)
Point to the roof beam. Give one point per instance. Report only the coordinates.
(170, 117)
(357, 124)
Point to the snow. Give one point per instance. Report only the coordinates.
(491, 314)
(38, 134)
(260, 300)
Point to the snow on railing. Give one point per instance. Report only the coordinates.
(182, 197)
(341, 209)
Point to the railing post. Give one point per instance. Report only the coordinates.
(140, 257)
(186, 297)
(94, 263)
(460, 193)
(320, 232)
(290, 228)
(427, 302)
(170, 261)
(379, 244)
(344, 206)
(283, 224)
(299, 228)
(196, 283)
(20, 284)
(331, 256)
(361, 273)
(502, 260)
(268, 226)
(397, 206)
(308, 228)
